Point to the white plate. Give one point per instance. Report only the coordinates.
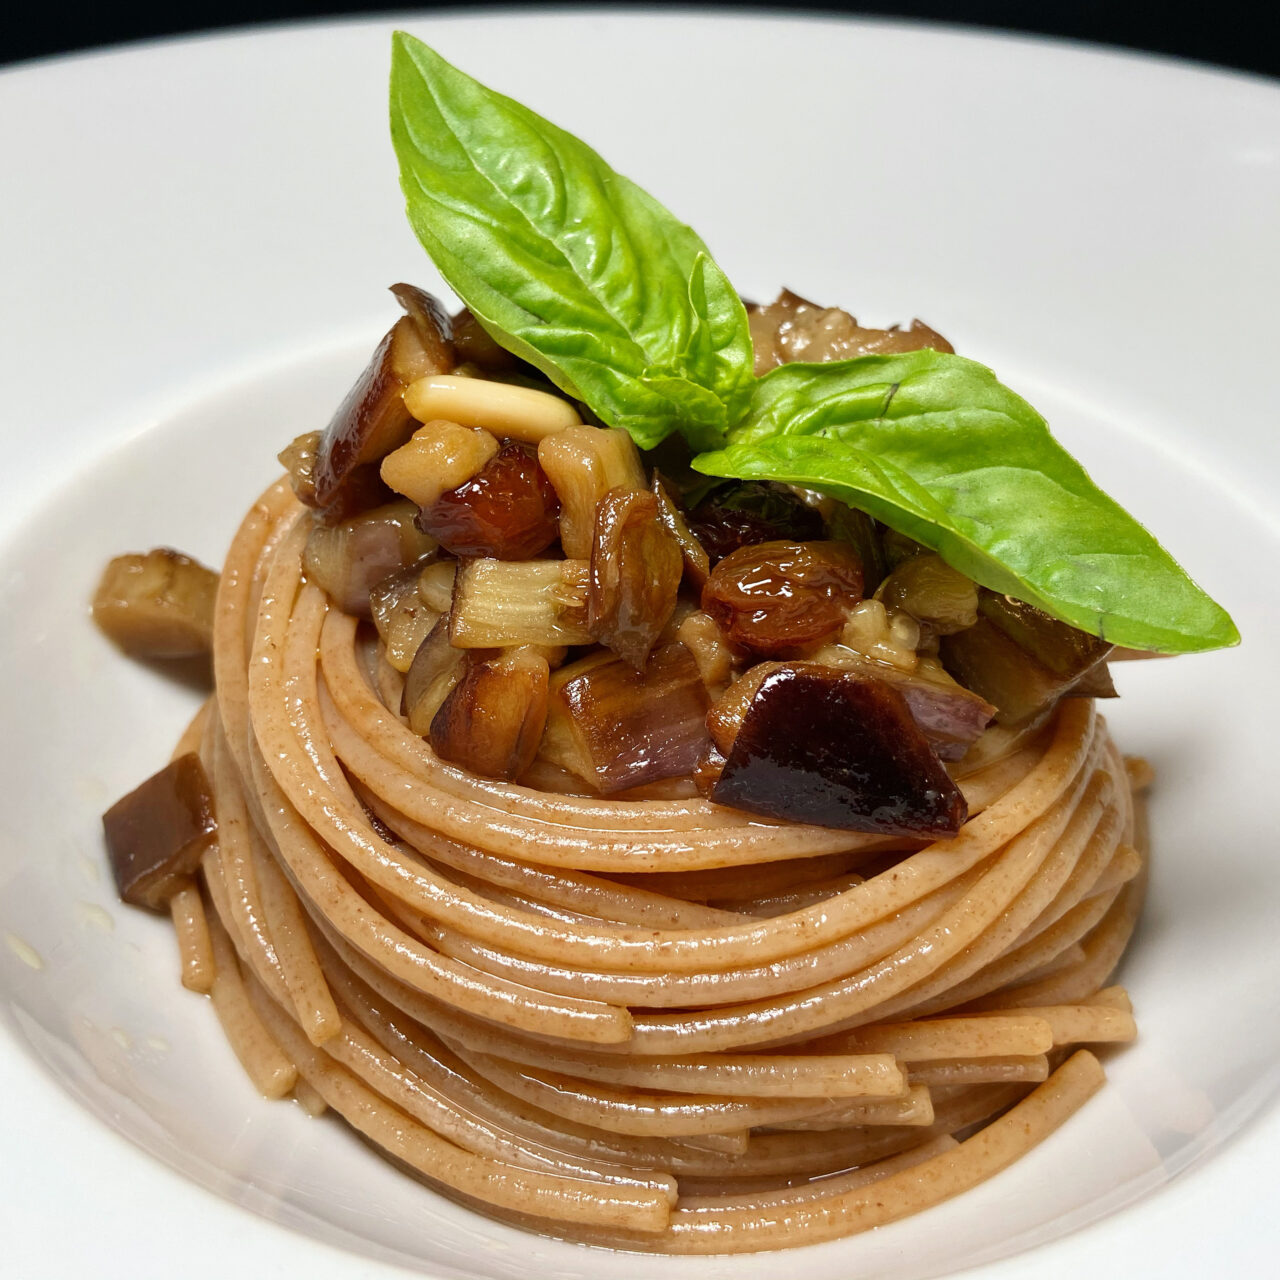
(197, 237)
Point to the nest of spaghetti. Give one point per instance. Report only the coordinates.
(659, 864)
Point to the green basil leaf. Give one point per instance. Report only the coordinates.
(565, 262)
(935, 447)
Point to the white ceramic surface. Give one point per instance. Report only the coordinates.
(196, 240)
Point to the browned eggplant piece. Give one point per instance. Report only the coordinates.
(435, 669)
(842, 751)
(372, 420)
(697, 564)
(618, 728)
(792, 328)
(156, 834)
(1095, 683)
(950, 716)
(1018, 657)
(363, 489)
(772, 598)
(636, 566)
(739, 514)
(157, 605)
(706, 773)
(474, 346)
(492, 720)
(349, 559)
(298, 458)
(402, 616)
(509, 510)
(1056, 646)
(431, 320)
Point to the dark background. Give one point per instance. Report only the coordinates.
(1229, 33)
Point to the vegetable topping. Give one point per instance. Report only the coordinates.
(576, 270)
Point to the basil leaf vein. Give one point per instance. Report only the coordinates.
(565, 262)
(934, 446)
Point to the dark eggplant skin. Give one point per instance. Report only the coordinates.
(156, 834)
(838, 750)
(372, 421)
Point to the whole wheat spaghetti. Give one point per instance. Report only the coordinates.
(475, 975)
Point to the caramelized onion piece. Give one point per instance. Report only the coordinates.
(738, 514)
(618, 728)
(156, 834)
(636, 567)
(793, 328)
(697, 564)
(508, 510)
(1018, 657)
(774, 597)
(841, 751)
(372, 420)
(500, 603)
(431, 676)
(492, 720)
(729, 710)
(401, 615)
(349, 559)
(157, 605)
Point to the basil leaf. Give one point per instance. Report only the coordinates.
(565, 262)
(935, 447)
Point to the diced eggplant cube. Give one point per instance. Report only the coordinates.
(840, 751)
(157, 605)
(157, 833)
(618, 728)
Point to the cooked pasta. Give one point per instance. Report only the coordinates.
(649, 1023)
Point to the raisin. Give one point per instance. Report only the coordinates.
(509, 509)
